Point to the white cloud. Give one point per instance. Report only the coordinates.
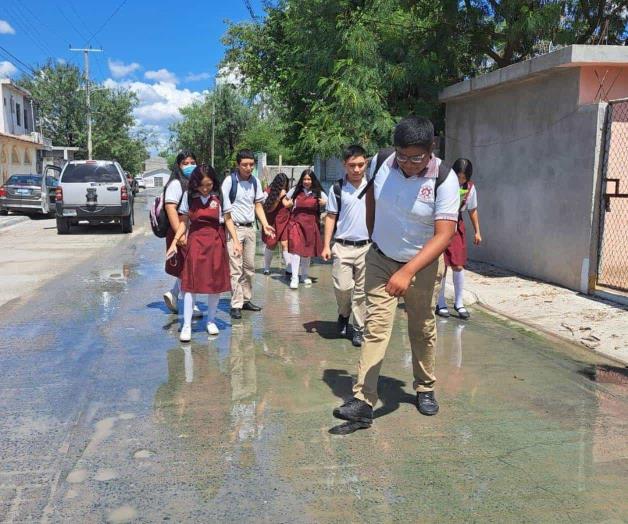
(162, 75)
(5, 28)
(195, 77)
(61, 61)
(7, 69)
(119, 69)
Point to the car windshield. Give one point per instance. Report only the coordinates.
(77, 173)
(24, 180)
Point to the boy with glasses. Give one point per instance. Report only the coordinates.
(411, 214)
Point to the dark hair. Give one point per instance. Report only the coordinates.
(353, 150)
(414, 131)
(197, 176)
(244, 153)
(279, 182)
(177, 174)
(316, 188)
(463, 165)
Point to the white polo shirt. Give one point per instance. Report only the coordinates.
(184, 208)
(472, 200)
(174, 192)
(243, 207)
(306, 192)
(351, 223)
(405, 209)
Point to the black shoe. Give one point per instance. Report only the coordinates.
(342, 324)
(358, 338)
(249, 306)
(426, 403)
(462, 312)
(355, 410)
(236, 313)
(442, 312)
(288, 273)
(266, 272)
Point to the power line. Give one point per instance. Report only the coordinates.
(11, 55)
(115, 12)
(17, 20)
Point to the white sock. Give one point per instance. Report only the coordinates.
(458, 287)
(441, 296)
(212, 307)
(304, 266)
(176, 288)
(296, 260)
(268, 258)
(287, 258)
(188, 308)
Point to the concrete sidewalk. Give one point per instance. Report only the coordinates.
(599, 325)
(11, 220)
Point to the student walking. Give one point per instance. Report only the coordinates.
(201, 230)
(411, 213)
(184, 165)
(242, 190)
(456, 253)
(306, 200)
(346, 223)
(278, 217)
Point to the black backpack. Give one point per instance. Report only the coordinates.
(234, 187)
(383, 154)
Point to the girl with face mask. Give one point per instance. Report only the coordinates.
(184, 165)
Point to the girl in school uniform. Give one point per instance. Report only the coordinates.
(456, 253)
(202, 230)
(306, 200)
(278, 216)
(177, 184)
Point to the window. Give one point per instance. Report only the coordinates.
(15, 156)
(77, 173)
(25, 119)
(18, 114)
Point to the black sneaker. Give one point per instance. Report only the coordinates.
(358, 338)
(355, 410)
(426, 403)
(249, 306)
(236, 313)
(342, 324)
(266, 272)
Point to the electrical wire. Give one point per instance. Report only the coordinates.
(115, 12)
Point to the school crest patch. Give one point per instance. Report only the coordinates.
(213, 204)
(426, 193)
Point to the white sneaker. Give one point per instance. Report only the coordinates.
(196, 312)
(212, 328)
(294, 283)
(305, 280)
(186, 334)
(171, 302)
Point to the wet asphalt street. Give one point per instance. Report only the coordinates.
(107, 417)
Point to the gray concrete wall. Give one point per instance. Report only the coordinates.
(535, 154)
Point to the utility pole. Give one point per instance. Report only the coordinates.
(213, 128)
(86, 53)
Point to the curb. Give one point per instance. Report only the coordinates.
(12, 220)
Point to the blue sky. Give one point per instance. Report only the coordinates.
(166, 51)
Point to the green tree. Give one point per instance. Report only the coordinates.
(58, 91)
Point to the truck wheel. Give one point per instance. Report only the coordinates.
(4, 212)
(63, 226)
(127, 223)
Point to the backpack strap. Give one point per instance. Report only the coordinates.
(382, 155)
(337, 188)
(234, 187)
(443, 173)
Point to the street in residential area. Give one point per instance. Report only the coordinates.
(107, 416)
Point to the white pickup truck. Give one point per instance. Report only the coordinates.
(95, 191)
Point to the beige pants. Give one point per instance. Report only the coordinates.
(348, 273)
(420, 300)
(242, 268)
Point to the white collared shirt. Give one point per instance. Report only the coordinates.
(405, 209)
(351, 223)
(243, 207)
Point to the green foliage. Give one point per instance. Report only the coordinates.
(342, 71)
(61, 100)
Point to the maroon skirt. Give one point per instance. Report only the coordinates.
(174, 266)
(304, 235)
(206, 268)
(279, 220)
(456, 253)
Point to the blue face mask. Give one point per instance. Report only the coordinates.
(187, 170)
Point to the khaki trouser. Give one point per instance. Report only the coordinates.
(348, 273)
(420, 300)
(242, 268)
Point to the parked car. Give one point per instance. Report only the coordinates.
(96, 191)
(140, 181)
(29, 194)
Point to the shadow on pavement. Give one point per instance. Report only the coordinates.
(325, 328)
(390, 390)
